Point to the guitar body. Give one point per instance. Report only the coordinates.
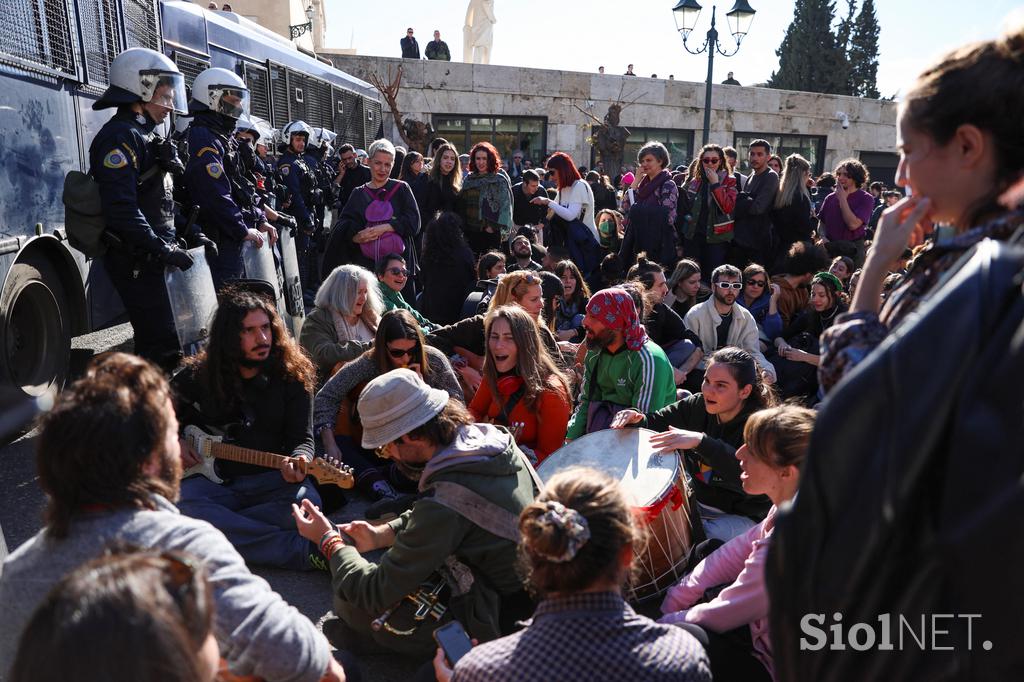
(210, 448)
(202, 442)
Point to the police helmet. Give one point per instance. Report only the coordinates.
(140, 74)
(247, 125)
(221, 91)
(296, 128)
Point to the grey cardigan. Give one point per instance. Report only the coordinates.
(328, 399)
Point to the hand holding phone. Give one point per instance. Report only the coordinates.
(453, 640)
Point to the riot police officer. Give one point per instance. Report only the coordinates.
(132, 163)
(228, 208)
(296, 173)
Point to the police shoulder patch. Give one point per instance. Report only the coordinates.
(215, 170)
(284, 169)
(115, 159)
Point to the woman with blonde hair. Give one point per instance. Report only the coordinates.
(791, 214)
(580, 539)
(341, 327)
(522, 387)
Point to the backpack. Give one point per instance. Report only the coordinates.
(84, 221)
(378, 212)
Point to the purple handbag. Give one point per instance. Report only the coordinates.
(379, 212)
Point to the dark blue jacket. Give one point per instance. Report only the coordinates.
(140, 215)
(295, 171)
(208, 177)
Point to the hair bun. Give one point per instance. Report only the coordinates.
(569, 525)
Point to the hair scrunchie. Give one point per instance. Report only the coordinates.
(572, 523)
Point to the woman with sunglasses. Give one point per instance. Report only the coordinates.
(392, 278)
(761, 297)
(522, 388)
(399, 343)
(711, 194)
(798, 345)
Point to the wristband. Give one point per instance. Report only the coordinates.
(332, 533)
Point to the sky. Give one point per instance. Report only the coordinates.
(580, 35)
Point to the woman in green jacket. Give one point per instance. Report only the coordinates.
(392, 277)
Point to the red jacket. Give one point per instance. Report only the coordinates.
(721, 209)
(544, 422)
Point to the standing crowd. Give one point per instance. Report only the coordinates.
(467, 318)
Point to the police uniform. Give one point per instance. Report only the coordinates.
(296, 172)
(137, 197)
(214, 180)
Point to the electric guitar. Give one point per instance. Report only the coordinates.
(211, 448)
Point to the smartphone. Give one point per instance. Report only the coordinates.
(453, 640)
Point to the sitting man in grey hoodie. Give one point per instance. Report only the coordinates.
(464, 528)
(109, 462)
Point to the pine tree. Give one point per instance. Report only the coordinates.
(863, 53)
(810, 56)
(843, 34)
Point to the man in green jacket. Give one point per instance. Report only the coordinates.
(475, 482)
(623, 367)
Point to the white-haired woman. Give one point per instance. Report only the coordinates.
(343, 324)
(381, 217)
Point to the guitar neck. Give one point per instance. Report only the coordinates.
(236, 453)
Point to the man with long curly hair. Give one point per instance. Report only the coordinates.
(254, 385)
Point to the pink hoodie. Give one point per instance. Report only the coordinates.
(739, 562)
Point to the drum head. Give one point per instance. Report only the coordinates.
(624, 454)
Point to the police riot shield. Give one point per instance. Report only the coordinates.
(291, 285)
(193, 301)
(259, 263)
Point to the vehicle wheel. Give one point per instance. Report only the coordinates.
(35, 328)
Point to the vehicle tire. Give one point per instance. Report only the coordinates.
(35, 328)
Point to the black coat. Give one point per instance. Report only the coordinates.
(910, 498)
(410, 48)
(446, 285)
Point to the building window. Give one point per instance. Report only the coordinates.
(678, 142)
(811, 147)
(506, 133)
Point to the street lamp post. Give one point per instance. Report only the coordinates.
(740, 17)
(299, 29)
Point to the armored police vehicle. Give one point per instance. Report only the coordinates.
(54, 60)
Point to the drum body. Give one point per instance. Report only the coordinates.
(654, 485)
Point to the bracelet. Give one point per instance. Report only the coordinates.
(333, 545)
(326, 537)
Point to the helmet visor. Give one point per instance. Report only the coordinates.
(229, 100)
(165, 89)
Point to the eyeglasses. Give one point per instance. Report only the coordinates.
(710, 160)
(729, 285)
(399, 353)
(757, 283)
(399, 272)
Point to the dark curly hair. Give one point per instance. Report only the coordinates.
(443, 239)
(217, 365)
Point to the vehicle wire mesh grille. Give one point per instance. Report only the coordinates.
(259, 94)
(190, 67)
(347, 121)
(101, 34)
(37, 31)
(374, 124)
(315, 102)
(296, 89)
(141, 24)
(279, 96)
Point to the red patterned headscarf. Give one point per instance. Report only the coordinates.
(614, 307)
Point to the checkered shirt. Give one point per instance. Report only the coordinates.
(589, 637)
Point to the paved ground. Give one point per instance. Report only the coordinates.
(21, 505)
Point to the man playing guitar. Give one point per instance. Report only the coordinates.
(254, 384)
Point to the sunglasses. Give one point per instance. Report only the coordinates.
(398, 353)
(709, 160)
(399, 272)
(757, 282)
(729, 285)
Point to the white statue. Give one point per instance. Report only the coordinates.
(478, 33)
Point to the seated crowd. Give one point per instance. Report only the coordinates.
(715, 310)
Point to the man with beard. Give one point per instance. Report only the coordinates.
(254, 385)
(351, 174)
(109, 462)
(522, 255)
(720, 323)
(623, 367)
